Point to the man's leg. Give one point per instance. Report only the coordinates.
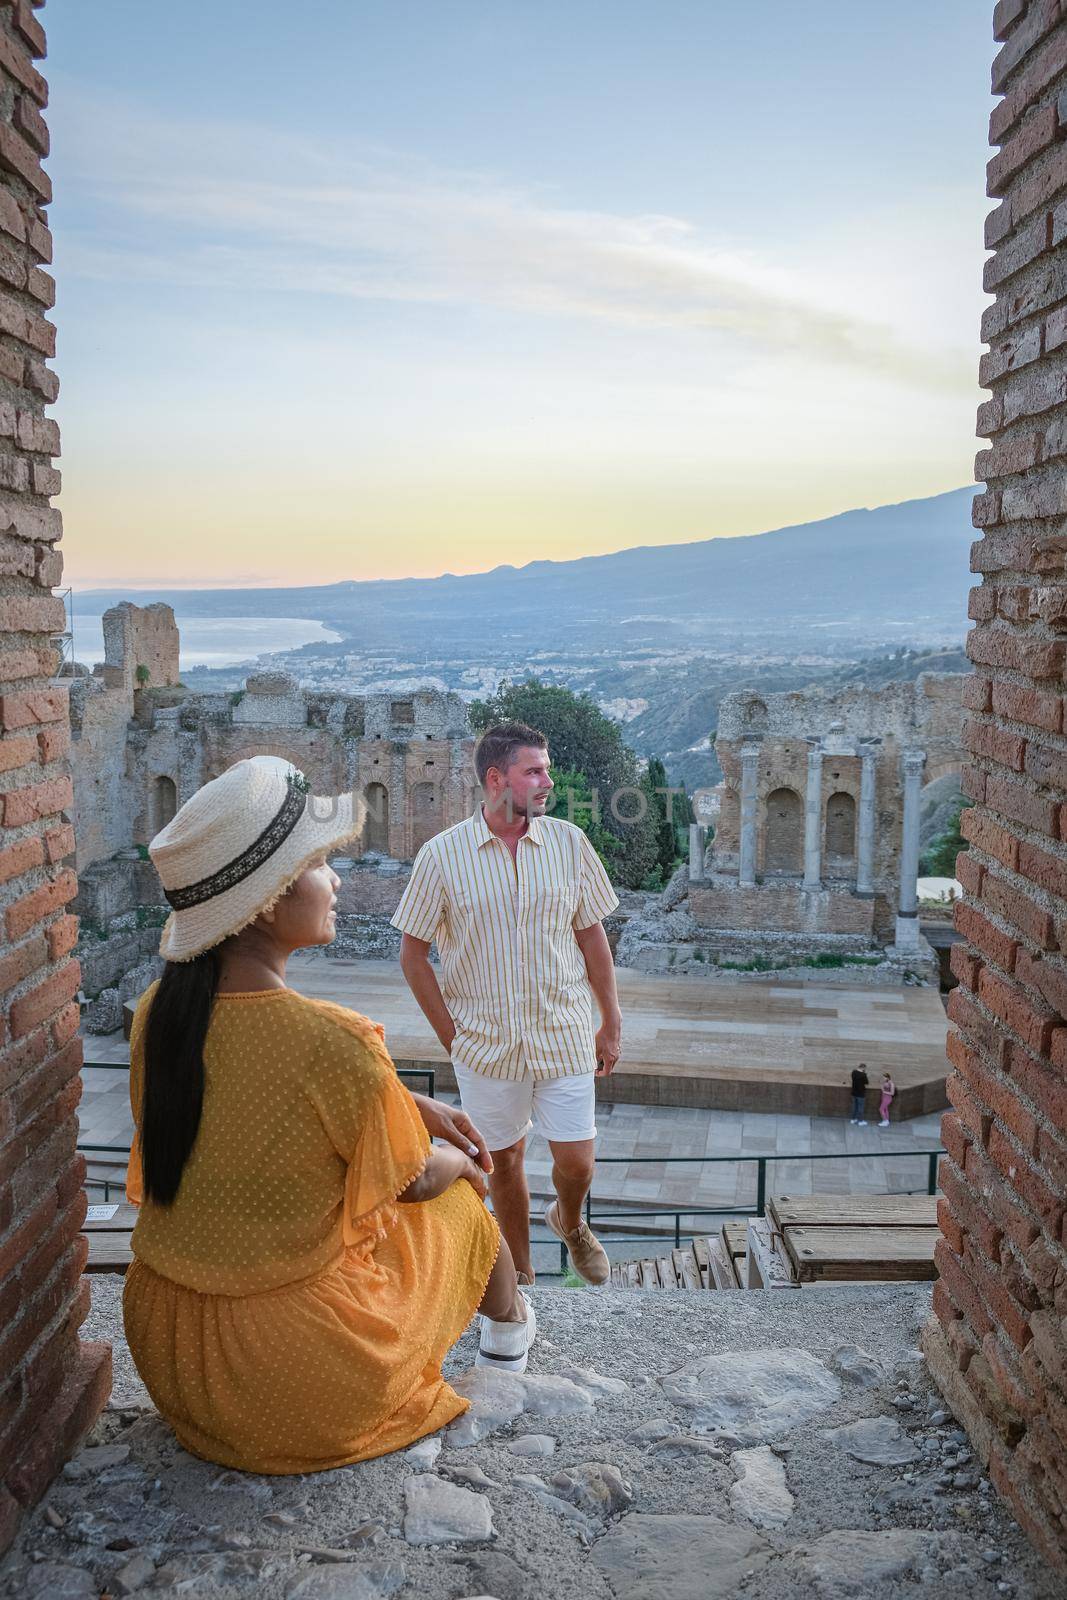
(573, 1164)
(511, 1202)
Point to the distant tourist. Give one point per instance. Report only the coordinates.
(889, 1089)
(304, 1256)
(515, 901)
(859, 1094)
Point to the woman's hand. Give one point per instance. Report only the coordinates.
(454, 1126)
(475, 1177)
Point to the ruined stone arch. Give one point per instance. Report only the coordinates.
(783, 834)
(375, 834)
(162, 804)
(839, 854)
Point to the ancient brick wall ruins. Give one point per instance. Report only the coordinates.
(999, 1346)
(51, 1385)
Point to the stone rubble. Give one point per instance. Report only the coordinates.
(712, 1455)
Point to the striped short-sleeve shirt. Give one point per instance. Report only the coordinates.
(512, 973)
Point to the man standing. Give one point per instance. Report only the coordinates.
(515, 901)
(859, 1094)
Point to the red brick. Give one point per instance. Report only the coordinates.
(20, 1240)
(62, 936)
(1021, 1176)
(1024, 32)
(990, 417)
(972, 782)
(999, 1200)
(42, 380)
(1046, 975)
(49, 1082)
(15, 664)
(974, 1118)
(23, 614)
(949, 1226)
(965, 964)
(82, 1398)
(66, 1024)
(958, 1284)
(996, 744)
(21, 806)
(1037, 133)
(1017, 908)
(20, 857)
(47, 998)
(15, 753)
(29, 27)
(1029, 1019)
(46, 479)
(1008, 456)
(1042, 868)
(1005, 1368)
(1013, 603)
(954, 1138)
(985, 509)
(1015, 801)
(48, 570)
(1006, 14)
(969, 873)
(998, 1093)
(998, 646)
(966, 1207)
(40, 903)
(989, 837)
(31, 124)
(27, 708)
(990, 941)
(38, 433)
(19, 157)
(982, 603)
(53, 744)
(1046, 766)
(977, 693)
(59, 842)
(1000, 550)
(1008, 1314)
(22, 69)
(42, 286)
(1035, 707)
(19, 962)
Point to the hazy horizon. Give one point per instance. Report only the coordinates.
(500, 284)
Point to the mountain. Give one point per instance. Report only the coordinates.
(900, 568)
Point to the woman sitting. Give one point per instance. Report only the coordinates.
(304, 1255)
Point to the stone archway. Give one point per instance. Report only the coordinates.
(162, 804)
(376, 821)
(839, 856)
(783, 834)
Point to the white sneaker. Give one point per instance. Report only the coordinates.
(506, 1345)
(862, 1123)
(853, 1121)
(884, 1123)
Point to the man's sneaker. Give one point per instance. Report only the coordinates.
(862, 1123)
(506, 1345)
(588, 1256)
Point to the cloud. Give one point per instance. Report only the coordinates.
(243, 208)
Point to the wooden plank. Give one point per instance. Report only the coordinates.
(647, 1276)
(700, 1250)
(121, 1221)
(689, 1272)
(108, 1252)
(846, 1211)
(633, 1274)
(862, 1254)
(736, 1237)
(765, 1267)
(666, 1272)
(722, 1272)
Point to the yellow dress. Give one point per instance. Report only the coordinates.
(284, 1313)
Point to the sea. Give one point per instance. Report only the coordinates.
(214, 641)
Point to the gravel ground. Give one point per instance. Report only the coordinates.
(732, 1479)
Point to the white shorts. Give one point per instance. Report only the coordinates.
(505, 1109)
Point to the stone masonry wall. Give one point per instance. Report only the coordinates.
(51, 1385)
(999, 1345)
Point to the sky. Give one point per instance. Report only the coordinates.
(385, 288)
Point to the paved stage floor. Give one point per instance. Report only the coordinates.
(641, 1137)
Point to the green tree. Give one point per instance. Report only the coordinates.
(939, 860)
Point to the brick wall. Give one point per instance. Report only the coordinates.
(999, 1344)
(51, 1385)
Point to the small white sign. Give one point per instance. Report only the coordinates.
(100, 1213)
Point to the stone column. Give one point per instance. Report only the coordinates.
(813, 821)
(865, 829)
(696, 853)
(746, 875)
(913, 762)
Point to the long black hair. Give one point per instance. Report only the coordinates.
(175, 1032)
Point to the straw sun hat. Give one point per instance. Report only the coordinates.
(237, 845)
